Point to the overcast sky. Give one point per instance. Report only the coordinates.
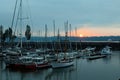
(90, 17)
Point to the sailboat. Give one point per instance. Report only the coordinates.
(62, 63)
(65, 62)
(42, 62)
(28, 61)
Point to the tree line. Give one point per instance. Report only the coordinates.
(8, 34)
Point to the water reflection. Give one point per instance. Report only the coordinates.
(60, 74)
(107, 60)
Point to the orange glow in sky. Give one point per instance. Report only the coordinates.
(89, 31)
(81, 35)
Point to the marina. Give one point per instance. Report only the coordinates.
(68, 46)
(83, 69)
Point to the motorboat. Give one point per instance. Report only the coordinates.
(106, 50)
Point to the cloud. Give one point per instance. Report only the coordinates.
(85, 14)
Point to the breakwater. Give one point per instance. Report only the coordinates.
(65, 44)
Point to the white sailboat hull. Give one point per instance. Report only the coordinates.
(61, 64)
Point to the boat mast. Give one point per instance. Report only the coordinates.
(54, 27)
(70, 37)
(58, 37)
(66, 38)
(38, 38)
(66, 30)
(46, 36)
(54, 35)
(21, 23)
(76, 37)
(13, 18)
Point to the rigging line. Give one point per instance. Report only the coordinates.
(17, 20)
(30, 17)
(14, 14)
(28, 13)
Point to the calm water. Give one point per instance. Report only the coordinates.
(99, 69)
